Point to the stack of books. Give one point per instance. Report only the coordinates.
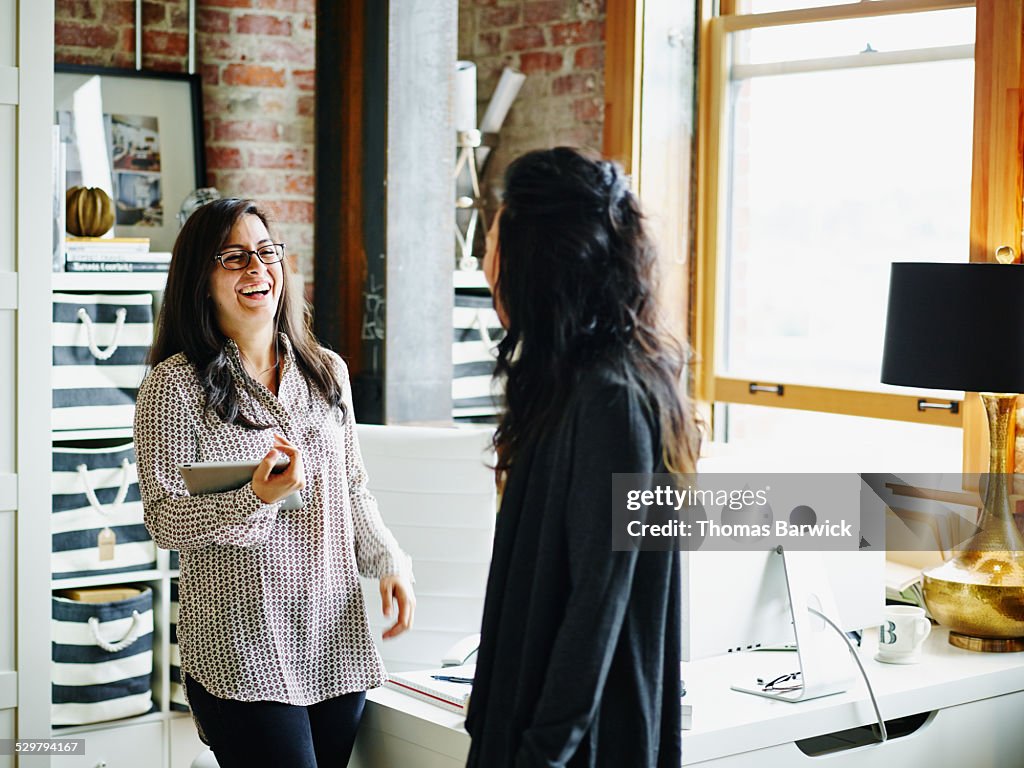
(448, 688)
(113, 254)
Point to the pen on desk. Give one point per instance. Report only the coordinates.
(453, 679)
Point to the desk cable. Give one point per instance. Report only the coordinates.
(864, 674)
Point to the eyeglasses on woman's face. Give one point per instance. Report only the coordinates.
(239, 258)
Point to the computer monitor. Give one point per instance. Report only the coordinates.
(759, 598)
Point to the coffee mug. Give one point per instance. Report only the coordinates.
(902, 634)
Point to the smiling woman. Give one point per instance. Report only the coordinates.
(266, 594)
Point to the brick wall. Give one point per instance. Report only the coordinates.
(559, 45)
(256, 58)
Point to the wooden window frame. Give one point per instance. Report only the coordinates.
(711, 227)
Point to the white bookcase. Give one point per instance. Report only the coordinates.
(162, 739)
(165, 738)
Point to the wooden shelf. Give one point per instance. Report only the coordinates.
(108, 281)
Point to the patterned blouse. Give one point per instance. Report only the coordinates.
(270, 602)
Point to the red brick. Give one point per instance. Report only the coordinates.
(279, 49)
(540, 61)
(253, 74)
(84, 36)
(127, 43)
(153, 15)
(210, 73)
(590, 57)
(304, 79)
(499, 17)
(228, 3)
(306, 106)
(87, 58)
(166, 43)
(242, 183)
(212, 21)
(576, 83)
(247, 130)
(301, 184)
(219, 48)
(179, 18)
(545, 11)
(577, 32)
(77, 10)
(588, 109)
(524, 38)
(164, 63)
(281, 158)
(223, 157)
(252, 24)
(290, 211)
(118, 13)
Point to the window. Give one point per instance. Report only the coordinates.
(839, 141)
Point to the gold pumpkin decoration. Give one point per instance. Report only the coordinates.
(90, 212)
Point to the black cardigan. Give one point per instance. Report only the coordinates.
(580, 646)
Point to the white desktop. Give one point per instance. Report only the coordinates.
(952, 709)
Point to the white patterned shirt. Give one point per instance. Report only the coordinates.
(270, 602)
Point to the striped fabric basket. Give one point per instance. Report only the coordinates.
(100, 344)
(102, 659)
(97, 513)
(177, 690)
(474, 348)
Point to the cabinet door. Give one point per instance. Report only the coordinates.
(26, 245)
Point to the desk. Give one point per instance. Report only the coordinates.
(976, 700)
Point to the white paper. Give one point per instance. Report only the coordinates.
(501, 102)
(91, 136)
(465, 96)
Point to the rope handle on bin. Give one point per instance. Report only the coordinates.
(124, 642)
(103, 354)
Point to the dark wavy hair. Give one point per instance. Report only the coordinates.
(576, 279)
(188, 323)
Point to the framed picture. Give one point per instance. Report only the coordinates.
(139, 137)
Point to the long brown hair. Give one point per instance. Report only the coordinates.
(576, 279)
(188, 324)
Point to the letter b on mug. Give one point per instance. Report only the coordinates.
(902, 634)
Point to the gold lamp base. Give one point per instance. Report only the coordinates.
(979, 594)
(987, 644)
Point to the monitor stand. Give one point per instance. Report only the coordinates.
(822, 658)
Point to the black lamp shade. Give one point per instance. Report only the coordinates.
(955, 326)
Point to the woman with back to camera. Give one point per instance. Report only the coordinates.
(580, 645)
(276, 653)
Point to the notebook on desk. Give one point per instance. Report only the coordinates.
(422, 684)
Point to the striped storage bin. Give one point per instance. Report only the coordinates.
(102, 658)
(177, 690)
(474, 349)
(100, 345)
(97, 513)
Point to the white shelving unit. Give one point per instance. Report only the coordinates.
(168, 738)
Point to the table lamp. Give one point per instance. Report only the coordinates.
(961, 327)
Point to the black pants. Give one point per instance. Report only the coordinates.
(251, 734)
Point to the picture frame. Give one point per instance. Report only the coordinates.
(138, 135)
